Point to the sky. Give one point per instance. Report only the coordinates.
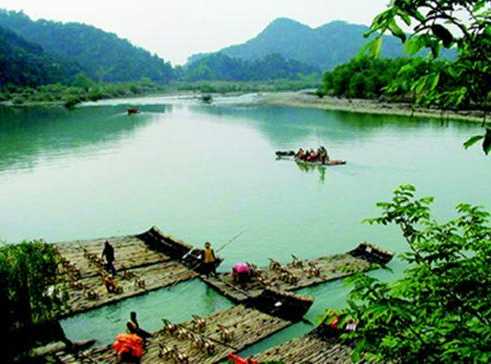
(176, 29)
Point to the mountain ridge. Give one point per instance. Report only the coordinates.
(325, 46)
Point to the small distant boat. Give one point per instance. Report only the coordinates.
(133, 110)
(207, 99)
(290, 154)
(330, 162)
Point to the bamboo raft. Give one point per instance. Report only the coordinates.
(310, 349)
(144, 262)
(244, 326)
(300, 274)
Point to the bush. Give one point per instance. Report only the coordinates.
(440, 311)
(18, 100)
(73, 101)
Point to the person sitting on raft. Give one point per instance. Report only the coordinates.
(134, 327)
(300, 154)
(128, 348)
(110, 284)
(313, 155)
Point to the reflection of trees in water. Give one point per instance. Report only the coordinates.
(28, 133)
(283, 125)
(313, 168)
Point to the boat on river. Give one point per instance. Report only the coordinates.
(329, 163)
(133, 110)
(290, 155)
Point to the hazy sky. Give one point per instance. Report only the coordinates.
(175, 29)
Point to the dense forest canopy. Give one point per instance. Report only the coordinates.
(101, 55)
(369, 78)
(27, 64)
(222, 67)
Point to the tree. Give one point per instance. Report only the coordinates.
(464, 25)
(82, 81)
(28, 277)
(440, 311)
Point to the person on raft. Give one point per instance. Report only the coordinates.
(300, 154)
(323, 156)
(312, 156)
(134, 327)
(241, 272)
(128, 348)
(208, 260)
(110, 284)
(108, 255)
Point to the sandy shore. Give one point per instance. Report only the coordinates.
(301, 99)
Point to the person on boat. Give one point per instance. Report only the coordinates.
(323, 156)
(134, 327)
(209, 260)
(108, 254)
(241, 272)
(300, 154)
(313, 155)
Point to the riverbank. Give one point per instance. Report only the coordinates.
(364, 106)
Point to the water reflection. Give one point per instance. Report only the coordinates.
(317, 125)
(311, 168)
(30, 134)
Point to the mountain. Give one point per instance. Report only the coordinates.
(219, 66)
(101, 55)
(27, 64)
(324, 47)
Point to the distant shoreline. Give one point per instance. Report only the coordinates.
(306, 100)
(363, 106)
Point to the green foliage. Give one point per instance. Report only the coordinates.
(365, 77)
(82, 89)
(222, 67)
(28, 271)
(101, 55)
(246, 86)
(26, 64)
(72, 101)
(464, 25)
(440, 311)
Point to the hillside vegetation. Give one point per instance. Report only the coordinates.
(26, 64)
(222, 67)
(101, 55)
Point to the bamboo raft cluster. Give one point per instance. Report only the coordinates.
(265, 304)
(310, 349)
(297, 274)
(140, 268)
(198, 341)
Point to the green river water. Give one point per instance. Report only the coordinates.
(207, 172)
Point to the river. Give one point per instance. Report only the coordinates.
(206, 172)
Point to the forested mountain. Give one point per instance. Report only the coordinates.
(324, 47)
(26, 64)
(219, 66)
(101, 55)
